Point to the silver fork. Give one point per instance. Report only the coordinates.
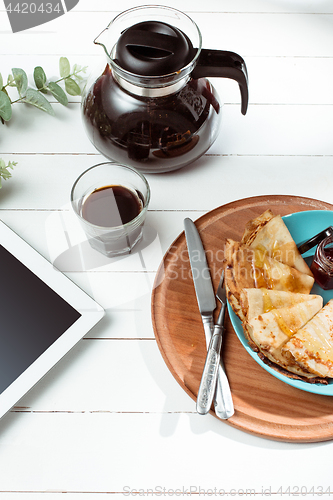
(210, 372)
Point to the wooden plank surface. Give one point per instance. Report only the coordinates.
(106, 452)
(297, 34)
(294, 130)
(84, 431)
(226, 178)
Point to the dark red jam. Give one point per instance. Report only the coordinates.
(322, 264)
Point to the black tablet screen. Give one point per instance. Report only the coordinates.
(32, 317)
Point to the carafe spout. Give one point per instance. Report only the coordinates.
(102, 39)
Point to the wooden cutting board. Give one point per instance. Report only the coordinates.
(264, 405)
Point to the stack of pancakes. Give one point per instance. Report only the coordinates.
(268, 286)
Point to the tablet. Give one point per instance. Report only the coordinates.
(43, 314)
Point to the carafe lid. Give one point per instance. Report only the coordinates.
(153, 48)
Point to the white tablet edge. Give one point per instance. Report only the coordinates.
(91, 314)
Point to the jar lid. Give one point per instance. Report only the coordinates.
(306, 245)
(153, 48)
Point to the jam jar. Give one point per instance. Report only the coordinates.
(322, 264)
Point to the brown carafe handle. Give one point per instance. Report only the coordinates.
(224, 64)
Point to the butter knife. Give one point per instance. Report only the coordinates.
(207, 304)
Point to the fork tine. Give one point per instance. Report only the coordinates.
(221, 293)
(221, 283)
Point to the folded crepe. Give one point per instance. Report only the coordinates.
(272, 330)
(269, 233)
(255, 301)
(255, 225)
(268, 286)
(312, 346)
(248, 267)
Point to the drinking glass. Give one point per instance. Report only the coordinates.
(114, 239)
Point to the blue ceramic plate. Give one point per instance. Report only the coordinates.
(302, 226)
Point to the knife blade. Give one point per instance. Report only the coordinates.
(200, 274)
(207, 303)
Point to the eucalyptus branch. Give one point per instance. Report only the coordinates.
(36, 96)
(4, 174)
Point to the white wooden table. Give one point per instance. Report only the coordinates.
(110, 418)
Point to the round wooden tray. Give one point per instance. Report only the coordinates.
(264, 405)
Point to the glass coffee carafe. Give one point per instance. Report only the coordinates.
(153, 107)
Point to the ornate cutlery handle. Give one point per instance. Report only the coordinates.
(223, 403)
(210, 372)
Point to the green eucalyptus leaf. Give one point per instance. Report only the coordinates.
(72, 87)
(4, 173)
(58, 93)
(79, 69)
(21, 80)
(11, 81)
(5, 107)
(64, 67)
(37, 99)
(1, 81)
(40, 78)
